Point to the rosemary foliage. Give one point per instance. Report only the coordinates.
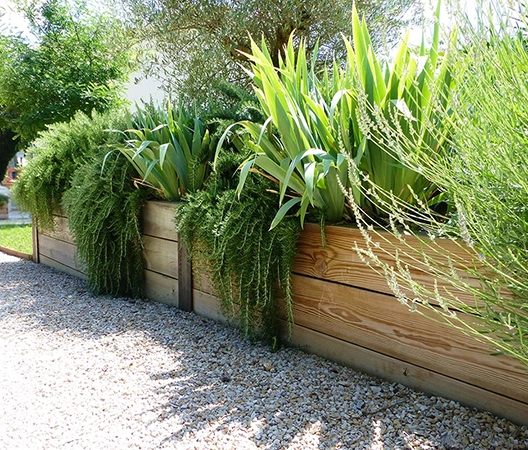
(249, 264)
(103, 207)
(58, 152)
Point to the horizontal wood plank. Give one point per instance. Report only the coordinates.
(160, 288)
(161, 255)
(16, 253)
(207, 305)
(158, 220)
(60, 212)
(61, 231)
(202, 277)
(397, 371)
(60, 251)
(381, 323)
(62, 267)
(339, 262)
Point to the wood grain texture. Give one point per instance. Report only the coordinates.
(185, 285)
(61, 231)
(339, 262)
(416, 377)
(62, 267)
(381, 323)
(35, 240)
(202, 278)
(161, 255)
(59, 251)
(160, 288)
(158, 220)
(207, 305)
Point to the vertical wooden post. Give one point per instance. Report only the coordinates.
(185, 290)
(35, 237)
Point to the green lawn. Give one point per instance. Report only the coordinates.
(16, 237)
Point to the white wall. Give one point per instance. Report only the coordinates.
(144, 89)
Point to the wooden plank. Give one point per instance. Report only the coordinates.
(60, 251)
(61, 267)
(158, 220)
(16, 253)
(201, 279)
(415, 377)
(185, 285)
(207, 305)
(161, 288)
(381, 323)
(61, 231)
(60, 213)
(161, 255)
(35, 240)
(339, 262)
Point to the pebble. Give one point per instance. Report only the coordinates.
(84, 372)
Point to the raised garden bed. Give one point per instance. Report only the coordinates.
(343, 311)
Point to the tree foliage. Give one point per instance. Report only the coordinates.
(77, 62)
(199, 43)
(8, 148)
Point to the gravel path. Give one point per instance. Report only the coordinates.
(85, 372)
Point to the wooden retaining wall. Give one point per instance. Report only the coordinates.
(343, 311)
(165, 262)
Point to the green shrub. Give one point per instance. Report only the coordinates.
(57, 154)
(104, 207)
(250, 265)
(71, 170)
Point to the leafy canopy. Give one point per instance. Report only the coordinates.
(78, 61)
(198, 42)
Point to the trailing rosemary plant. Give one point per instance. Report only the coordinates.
(58, 152)
(103, 207)
(250, 265)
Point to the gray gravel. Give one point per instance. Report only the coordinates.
(85, 372)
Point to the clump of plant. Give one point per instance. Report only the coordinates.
(104, 207)
(485, 175)
(3, 200)
(57, 154)
(299, 145)
(69, 171)
(170, 149)
(250, 265)
(318, 122)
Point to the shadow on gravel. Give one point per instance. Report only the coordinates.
(223, 384)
